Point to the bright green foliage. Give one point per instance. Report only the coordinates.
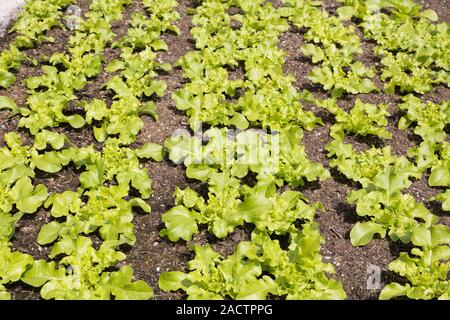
(16, 188)
(6, 78)
(120, 119)
(274, 157)
(36, 18)
(82, 274)
(302, 263)
(430, 121)
(106, 210)
(48, 108)
(224, 210)
(12, 265)
(9, 60)
(113, 163)
(390, 210)
(334, 45)
(136, 75)
(219, 161)
(257, 268)
(383, 177)
(427, 269)
(445, 198)
(430, 118)
(215, 277)
(248, 174)
(18, 196)
(266, 97)
(274, 212)
(27, 198)
(20, 161)
(8, 103)
(434, 152)
(363, 119)
(436, 158)
(46, 111)
(138, 80)
(415, 50)
(415, 55)
(223, 158)
(144, 33)
(220, 212)
(110, 174)
(364, 166)
(21, 195)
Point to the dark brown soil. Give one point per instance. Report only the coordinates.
(152, 255)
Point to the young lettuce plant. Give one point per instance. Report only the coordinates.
(105, 211)
(279, 156)
(82, 274)
(389, 210)
(429, 121)
(10, 60)
(257, 268)
(18, 196)
(117, 163)
(440, 175)
(426, 269)
(363, 166)
(363, 119)
(224, 211)
(137, 69)
(12, 265)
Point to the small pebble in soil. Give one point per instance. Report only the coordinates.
(158, 269)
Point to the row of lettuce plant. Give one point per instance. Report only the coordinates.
(334, 45)
(32, 25)
(242, 36)
(383, 206)
(414, 50)
(102, 205)
(414, 54)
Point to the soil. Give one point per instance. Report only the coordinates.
(152, 254)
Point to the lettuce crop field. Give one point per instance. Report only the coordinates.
(225, 149)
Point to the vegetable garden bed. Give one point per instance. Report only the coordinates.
(348, 196)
